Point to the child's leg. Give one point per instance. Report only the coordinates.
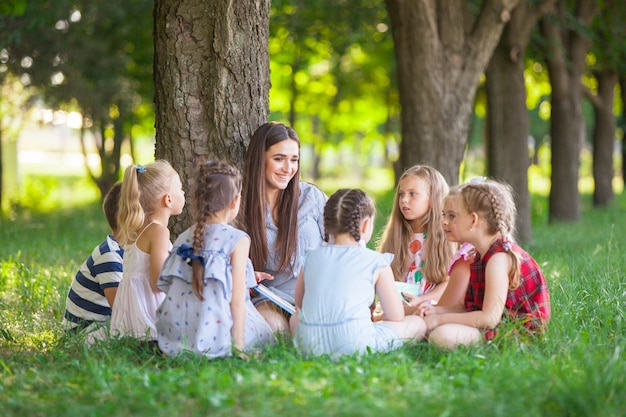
(452, 335)
(411, 328)
(293, 323)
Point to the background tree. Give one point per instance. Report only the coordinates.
(567, 43)
(211, 76)
(507, 124)
(442, 48)
(606, 61)
(93, 57)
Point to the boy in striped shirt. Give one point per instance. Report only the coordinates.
(92, 293)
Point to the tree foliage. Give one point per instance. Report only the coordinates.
(93, 57)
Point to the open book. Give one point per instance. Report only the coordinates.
(275, 298)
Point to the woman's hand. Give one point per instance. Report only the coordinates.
(261, 276)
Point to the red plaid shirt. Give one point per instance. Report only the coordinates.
(530, 302)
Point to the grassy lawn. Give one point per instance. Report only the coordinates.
(577, 369)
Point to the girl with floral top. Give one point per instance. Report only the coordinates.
(414, 235)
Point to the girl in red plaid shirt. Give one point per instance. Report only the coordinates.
(505, 281)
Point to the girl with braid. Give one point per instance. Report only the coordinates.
(505, 282)
(207, 276)
(339, 282)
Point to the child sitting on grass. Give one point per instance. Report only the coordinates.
(338, 284)
(505, 282)
(206, 277)
(92, 292)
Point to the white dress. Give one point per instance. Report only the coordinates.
(134, 310)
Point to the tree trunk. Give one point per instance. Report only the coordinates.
(441, 52)
(211, 73)
(507, 115)
(565, 59)
(604, 139)
(622, 89)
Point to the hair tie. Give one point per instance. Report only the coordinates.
(506, 244)
(141, 169)
(186, 252)
(478, 180)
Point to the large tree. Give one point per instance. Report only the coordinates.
(567, 44)
(211, 75)
(507, 127)
(442, 49)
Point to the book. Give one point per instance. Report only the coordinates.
(275, 298)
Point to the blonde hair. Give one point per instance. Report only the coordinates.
(143, 188)
(217, 184)
(494, 202)
(398, 231)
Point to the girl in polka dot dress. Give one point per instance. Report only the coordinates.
(208, 274)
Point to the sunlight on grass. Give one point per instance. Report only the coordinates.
(576, 368)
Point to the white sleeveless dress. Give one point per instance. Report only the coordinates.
(134, 310)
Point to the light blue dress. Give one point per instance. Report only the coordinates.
(310, 236)
(335, 318)
(186, 323)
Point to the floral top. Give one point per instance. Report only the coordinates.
(414, 273)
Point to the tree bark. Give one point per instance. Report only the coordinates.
(211, 73)
(441, 52)
(507, 126)
(622, 88)
(565, 59)
(604, 138)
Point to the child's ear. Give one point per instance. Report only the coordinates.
(167, 200)
(474, 217)
(233, 203)
(364, 224)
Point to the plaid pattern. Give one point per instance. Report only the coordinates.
(529, 303)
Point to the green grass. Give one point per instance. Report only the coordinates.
(577, 369)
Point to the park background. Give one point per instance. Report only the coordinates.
(78, 104)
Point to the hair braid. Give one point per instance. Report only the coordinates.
(217, 184)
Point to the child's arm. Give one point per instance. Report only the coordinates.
(298, 293)
(159, 247)
(416, 301)
(110, 293)
(457, 284)
(388, 295)
(496, 288)
(238, 258)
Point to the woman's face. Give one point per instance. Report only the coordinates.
(281, 164)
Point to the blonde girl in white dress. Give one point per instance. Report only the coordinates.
(150, 195)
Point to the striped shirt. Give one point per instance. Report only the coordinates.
(86, 302)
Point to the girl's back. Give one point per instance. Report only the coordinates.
(184, 322)
(335, 317)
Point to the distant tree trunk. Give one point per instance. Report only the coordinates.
(565, 59)
(622, 89)
(211, 73)
(507, 115)
(604, 138)
(441, 52)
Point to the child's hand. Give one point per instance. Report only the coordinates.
(425, 309)
(410, 299)
(260, 276)
(431, 321)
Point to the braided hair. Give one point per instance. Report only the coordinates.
(494, 202)
(345, 210)
(217, 184)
